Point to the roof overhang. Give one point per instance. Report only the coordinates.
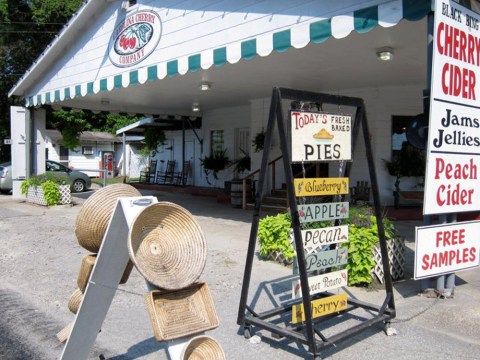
(166, 123)
(244, 70)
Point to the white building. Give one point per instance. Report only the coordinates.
(89, 153)
(155, 59)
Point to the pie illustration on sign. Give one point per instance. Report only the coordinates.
(323, 135)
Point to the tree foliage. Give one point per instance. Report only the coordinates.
(26, 28)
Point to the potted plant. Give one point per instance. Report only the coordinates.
(242, 164)
(154, 137)
(214, 163)
(259, 141)
(47, 189)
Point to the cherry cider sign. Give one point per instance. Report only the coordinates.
(453, 161)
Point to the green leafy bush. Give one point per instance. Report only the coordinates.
(363, 235)
(51, 193)
(273, 235)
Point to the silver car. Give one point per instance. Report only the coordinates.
(6, 177)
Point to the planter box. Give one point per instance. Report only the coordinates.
(35, 195)
(396, 257)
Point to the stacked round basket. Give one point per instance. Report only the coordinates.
(90, 227)
(168, 248)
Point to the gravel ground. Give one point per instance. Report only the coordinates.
(40, 259)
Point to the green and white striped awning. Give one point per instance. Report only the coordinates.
(361, 21)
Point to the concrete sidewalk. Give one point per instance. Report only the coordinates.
(40, 259)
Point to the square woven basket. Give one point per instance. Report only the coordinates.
(180, 313)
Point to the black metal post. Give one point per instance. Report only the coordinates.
(256, 212)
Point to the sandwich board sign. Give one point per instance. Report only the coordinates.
(453, 159)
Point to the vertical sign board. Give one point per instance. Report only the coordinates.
(453, 159)
(443, 249)
(318, 136)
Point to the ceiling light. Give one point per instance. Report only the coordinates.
(385, 54)
(205, 86)
(195, 107)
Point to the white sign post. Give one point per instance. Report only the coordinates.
(453, 160)
(443, 249)
(112, 259)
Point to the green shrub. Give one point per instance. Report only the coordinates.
(51, 193)
(273, 235)
(363, 235)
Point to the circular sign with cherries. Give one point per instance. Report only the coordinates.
(135, 38)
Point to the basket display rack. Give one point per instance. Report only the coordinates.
(311, 332)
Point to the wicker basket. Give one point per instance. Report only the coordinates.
(64, 334)
(175, 314)
(75, 301)
(86, 268)
(94, 216)
(167, 246)
(203, 348)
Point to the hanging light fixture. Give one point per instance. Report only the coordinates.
(385, 54)
(195, 107)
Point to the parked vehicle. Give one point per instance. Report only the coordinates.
(79, 181)
(6, 177)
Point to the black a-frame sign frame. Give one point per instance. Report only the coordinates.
(309, 332)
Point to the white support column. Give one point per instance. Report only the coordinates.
(28, 145)
(20, 130)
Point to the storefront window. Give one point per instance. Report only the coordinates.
(216, 141)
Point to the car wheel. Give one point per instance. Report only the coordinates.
(78, 186)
